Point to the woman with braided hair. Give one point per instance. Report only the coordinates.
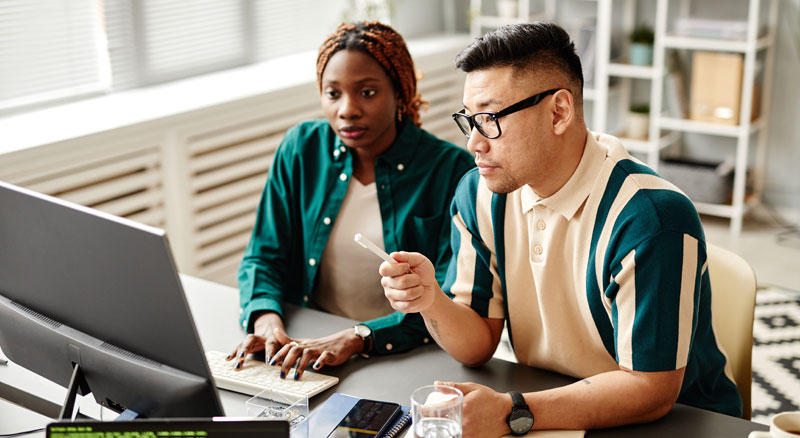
(369, 169)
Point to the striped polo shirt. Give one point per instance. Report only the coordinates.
(610, 270)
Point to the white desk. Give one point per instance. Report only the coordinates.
(215, 309)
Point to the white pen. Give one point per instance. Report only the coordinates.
(366, 243)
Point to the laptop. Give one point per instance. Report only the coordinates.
(184, 428)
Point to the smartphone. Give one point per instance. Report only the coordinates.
(367, 419)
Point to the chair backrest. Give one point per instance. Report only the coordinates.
(733, 289)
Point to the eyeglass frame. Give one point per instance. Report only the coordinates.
(511, 109)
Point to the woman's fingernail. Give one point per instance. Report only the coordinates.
(296, 375)
(238, 365)
(283, 374)
(273, 362)
(241, 354)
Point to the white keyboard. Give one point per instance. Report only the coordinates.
(256, 376)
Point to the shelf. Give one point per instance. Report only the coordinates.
(682, 42)
(645, 146)
(720, 210)
(685, 125)
(724, 210)
(631, 71)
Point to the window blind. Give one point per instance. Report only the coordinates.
(51, 50)
(176, 38)
(282, 28)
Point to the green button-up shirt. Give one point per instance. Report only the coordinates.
(415, 179)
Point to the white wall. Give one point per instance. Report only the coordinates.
(783, 153)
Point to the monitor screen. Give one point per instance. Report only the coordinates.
(82, 287)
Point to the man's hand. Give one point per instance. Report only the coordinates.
(485, 410)
(410, 284)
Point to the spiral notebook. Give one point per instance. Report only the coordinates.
(325, 417)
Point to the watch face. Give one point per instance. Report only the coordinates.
(521, 422)
(362, 330)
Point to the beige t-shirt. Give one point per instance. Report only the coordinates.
(349, 283)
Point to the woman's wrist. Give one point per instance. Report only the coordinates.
(266, 322)
(353, 344)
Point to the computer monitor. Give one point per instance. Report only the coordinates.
(94, 303)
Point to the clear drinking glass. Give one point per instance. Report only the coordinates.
(436, 412)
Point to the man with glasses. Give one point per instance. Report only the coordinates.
(595, 263)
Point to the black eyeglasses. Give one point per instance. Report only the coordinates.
(486, 121)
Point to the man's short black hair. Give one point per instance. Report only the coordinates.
(524, 46)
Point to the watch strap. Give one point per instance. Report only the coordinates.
(518, 400)
(367, 340)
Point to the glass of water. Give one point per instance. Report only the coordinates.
(436, 412)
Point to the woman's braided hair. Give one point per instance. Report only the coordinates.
(387, 47)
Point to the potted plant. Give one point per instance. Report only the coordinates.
(638, 121)
(641, 48)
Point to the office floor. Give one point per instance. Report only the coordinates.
(768, 243)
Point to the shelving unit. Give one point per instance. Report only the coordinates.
(666, 130)
(625, 73)
(746, 128)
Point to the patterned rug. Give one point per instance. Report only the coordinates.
(776, 353)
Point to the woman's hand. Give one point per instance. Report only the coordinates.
(268, 334)
(334, 349)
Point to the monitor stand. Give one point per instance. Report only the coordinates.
(76, 382)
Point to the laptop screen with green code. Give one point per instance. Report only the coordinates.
(170, 428)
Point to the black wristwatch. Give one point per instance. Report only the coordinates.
(520, 420)
(365, 333)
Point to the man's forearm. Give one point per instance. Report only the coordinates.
(606, 400)
(460, 331)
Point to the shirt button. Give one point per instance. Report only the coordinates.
(538, 249)
(541, 225)
(312, 262)
(326, 221)
(343, 177)
(244, 325)
(383, 186)
(389, 347)
(400, 167)
(336, 152)
(341, 148)
(425, 340)
(305, 298)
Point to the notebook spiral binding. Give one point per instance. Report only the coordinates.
(398, 426)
